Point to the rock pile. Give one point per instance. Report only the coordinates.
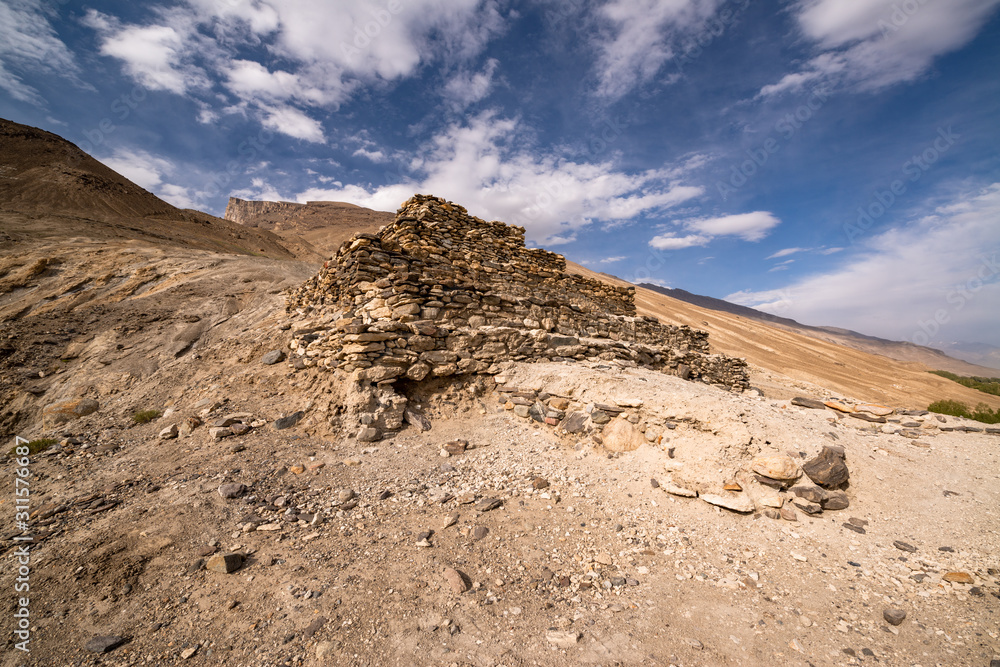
(440, 293)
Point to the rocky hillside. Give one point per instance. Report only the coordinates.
(200, 494)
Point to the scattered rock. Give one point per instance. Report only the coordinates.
(835, 500)
(225, 563)
(675, 490)
(169, 432)
(779, 467)
(273, 357)
(456, 447)
(104, 643)
(904, 546)
(232, 490)
(539, 483)
(189, 652)
(959, 577)
(867, 417)
(893, 616)
(838, 406)
(289, 421)
(66, 411)
(875, 409)
(416, 418)
(488, 504)
(804, 402)
(739, 503)
(457, 581)
(828, 469)
(218, 432)
(621, 436)
(562, 638)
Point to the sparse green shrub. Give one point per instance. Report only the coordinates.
(983, 384)
(981, 413)
(145, 416)
(34, 446)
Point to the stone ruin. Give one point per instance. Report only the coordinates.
(441, 293)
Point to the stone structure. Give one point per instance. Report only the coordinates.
(439, 292)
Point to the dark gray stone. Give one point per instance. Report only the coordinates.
(904, 546)
(864, 416)
(804, 402)
(273, 357)
(232, 490)
(835, 500)
(104, 643)
(893, 616)
(488, 504)
(289, 421)
(574, 422)
(828, 469)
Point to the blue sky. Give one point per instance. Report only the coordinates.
(834, 161)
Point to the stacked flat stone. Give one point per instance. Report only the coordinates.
(439, 292)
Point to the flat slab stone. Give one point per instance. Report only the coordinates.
(736, 503)
(675, 490)
(776, 467)
(804, 402)
(875, 409)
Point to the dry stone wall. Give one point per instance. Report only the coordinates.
(439, 292)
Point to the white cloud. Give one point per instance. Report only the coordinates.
(748, 226)
(674, 242)
(29, 45)
(465, 88)
(329, 49)
(830, 251)
(374, 156)
(159, 56)
(612, 260)
(640, 36)
(872, 44)
(293, 122)
(141, 167)
(936, 278)
(485, 165)
(786, 252)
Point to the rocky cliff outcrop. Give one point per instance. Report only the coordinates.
(258, 213)
(439, 292)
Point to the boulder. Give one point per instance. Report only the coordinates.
(804, 402)
(66, 411)
(621, 436)
(778, 467)
(828, 469)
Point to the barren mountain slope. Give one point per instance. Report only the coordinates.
(810, 364)
(322, 225)
(50, 189)
(899, 350)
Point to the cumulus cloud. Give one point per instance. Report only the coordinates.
(878, 43)
(918, 282)
(485, 165)
(329, 49)
(748, 226)
(674, 242)
(29, 46)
